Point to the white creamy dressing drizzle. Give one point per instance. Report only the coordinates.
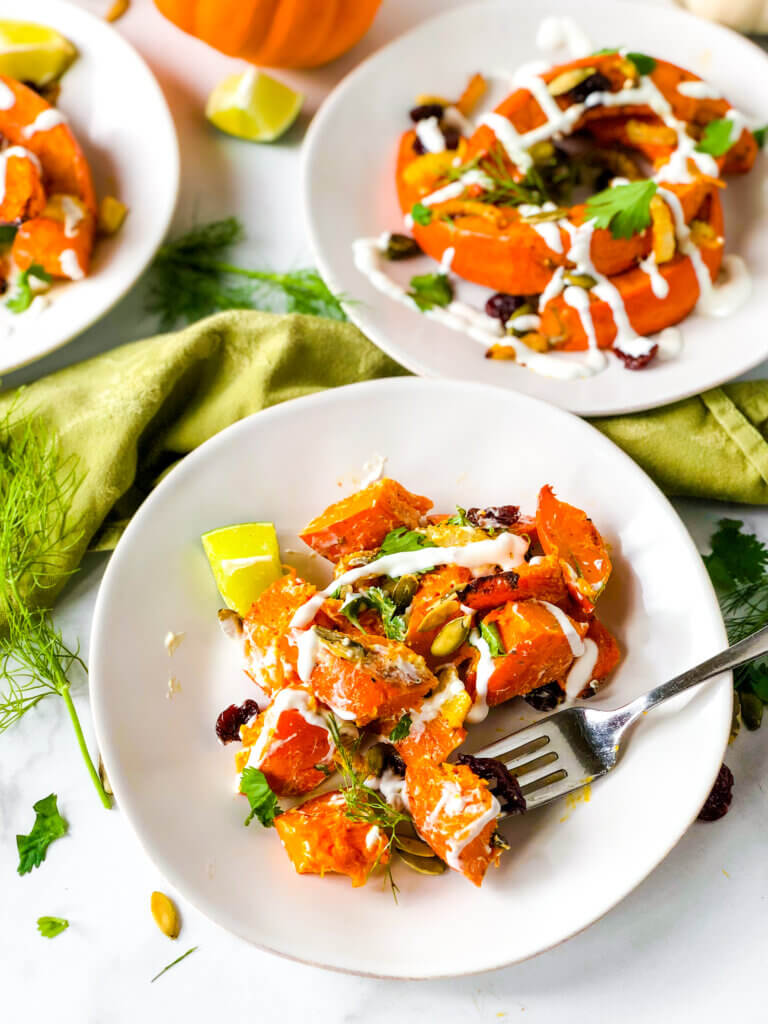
(447, 259)
(44, 121)
(307, 643)
(70, 265)
(670, 343)
(580, 672)
(73, 215)
(485, 669)
(372, 837)
(429, 135)
(22, 154)
(373, 470)
(507, 551)
(392, 787)
(453, 802)
(699, 90)
(527, 322)
(431, 706)
(7, 99)
(548, 230)
(659, 284)
(286, 700)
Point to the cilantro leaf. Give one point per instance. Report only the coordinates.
(49, 825)
(402, 539)
(402, 729)
(50, 927)
(759, 134)
(490, 633)
(644, 64)
(7, 233)
(421, 214)
(737, 556)
(394, 624)
(22, 296)
(716, 139)
(459, 519)
(626, 209)
(428, 290)
(264, 805)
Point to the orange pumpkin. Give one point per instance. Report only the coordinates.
(275, 33)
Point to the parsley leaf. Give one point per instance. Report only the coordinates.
(402, 729)
(737, 557)
(403, 539)
(50, 927)
(394, 624)
(716, 139)
(459, 519)
(49, 825)
(173, 963)
(626, 209)
(759, 134)
(7, 233)
(421, 214)
(428, 290)
(490, 633)
(22, 295)
(644, 64)
(264, 805)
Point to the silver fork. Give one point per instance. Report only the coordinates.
(570, 748)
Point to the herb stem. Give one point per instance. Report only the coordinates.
(64, 691)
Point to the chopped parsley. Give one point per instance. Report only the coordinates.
(402, 539)
(49, 825)
(421, 214)
(489, 631)
(759, 134)
(459, 519)
(402, 729)
(644, 64)
(428, 290)
(50, 927)
(22, 296)
(264, 805)
(394, 624)
(626, 209)
(716, 139)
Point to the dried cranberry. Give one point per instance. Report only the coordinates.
(426, 110)
(418, 147)
(604, 179)
(501, 782)
(495, 517)
(636, 362)
(229, 721)
(719, 800)
(595, 83)
(546, 697)
(502, 306)
(393, 761)
(452, 137)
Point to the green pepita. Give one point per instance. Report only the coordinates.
(541, 152)
(424, 865)
(579, 280)
(404, 589)
(451, 637)
(416, 847)
(374, 759)
(340, 644)
(524, 310)
(568, 80)
(544, 216)
(438, 614)
(751, 711)
(402, 247)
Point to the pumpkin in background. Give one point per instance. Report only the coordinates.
(275, 33)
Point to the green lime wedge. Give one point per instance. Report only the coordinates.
(253, 106)
(244, 560)
(33, 53)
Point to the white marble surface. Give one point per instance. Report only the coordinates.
(688, 944)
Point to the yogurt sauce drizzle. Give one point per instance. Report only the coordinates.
(453, 802)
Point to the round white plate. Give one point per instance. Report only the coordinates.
(350, 190)
(457, 443)
(120, 118)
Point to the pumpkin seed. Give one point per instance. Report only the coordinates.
(231, 623)
(545, 216)
(451, 637)
(374, 759)
(165, 914)
(404, 589)
(402, 247)
(438, 614)
(424, 865)
(580, 280)
(540, 152)
(340, 644)
(568, 80)
(524, 310)
(751, 711)
(499, 351)
(416, 847)
(535, 341)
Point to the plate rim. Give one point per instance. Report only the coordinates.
(312, 146)
(721, 685)
(173, 174)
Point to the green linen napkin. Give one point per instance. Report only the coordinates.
(129, 414)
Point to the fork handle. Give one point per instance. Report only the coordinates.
(732, 657)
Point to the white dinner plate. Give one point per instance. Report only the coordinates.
(457, 443)
(120, 118)
(350, 192)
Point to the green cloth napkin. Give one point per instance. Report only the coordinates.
(131, 413)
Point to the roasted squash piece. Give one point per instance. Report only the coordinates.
(364, 519)
(568, 533)
(456, 814)
(270, 656)
(436, 724)
(608, 651)
(434, 603)
(287, 742)
(538, 649)
(320, 838)
(24, 195)
(542, 579)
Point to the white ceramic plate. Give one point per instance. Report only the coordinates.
(457, 443)
(120, 117)
(350, 190)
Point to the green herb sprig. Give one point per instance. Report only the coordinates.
(22, 296)
(264, 803)
(626, 209)
(49, 826)
(374, 597)
(402, 539)
(173, 964)
(716, 139)
(50, 927)
(190, 279)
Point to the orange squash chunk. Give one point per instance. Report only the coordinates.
(537, 649)
(432, 743)
(363, 677)
(363, 520)
(44, 241)
(608, 650)
(24, 195)
(288, 745)
(568, 533)
(319, 838)
(270, 657)
(456, 814)
(433, 590)
(543, 580)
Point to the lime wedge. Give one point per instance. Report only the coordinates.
(244, 560)
(253, 106)
(33, 53)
